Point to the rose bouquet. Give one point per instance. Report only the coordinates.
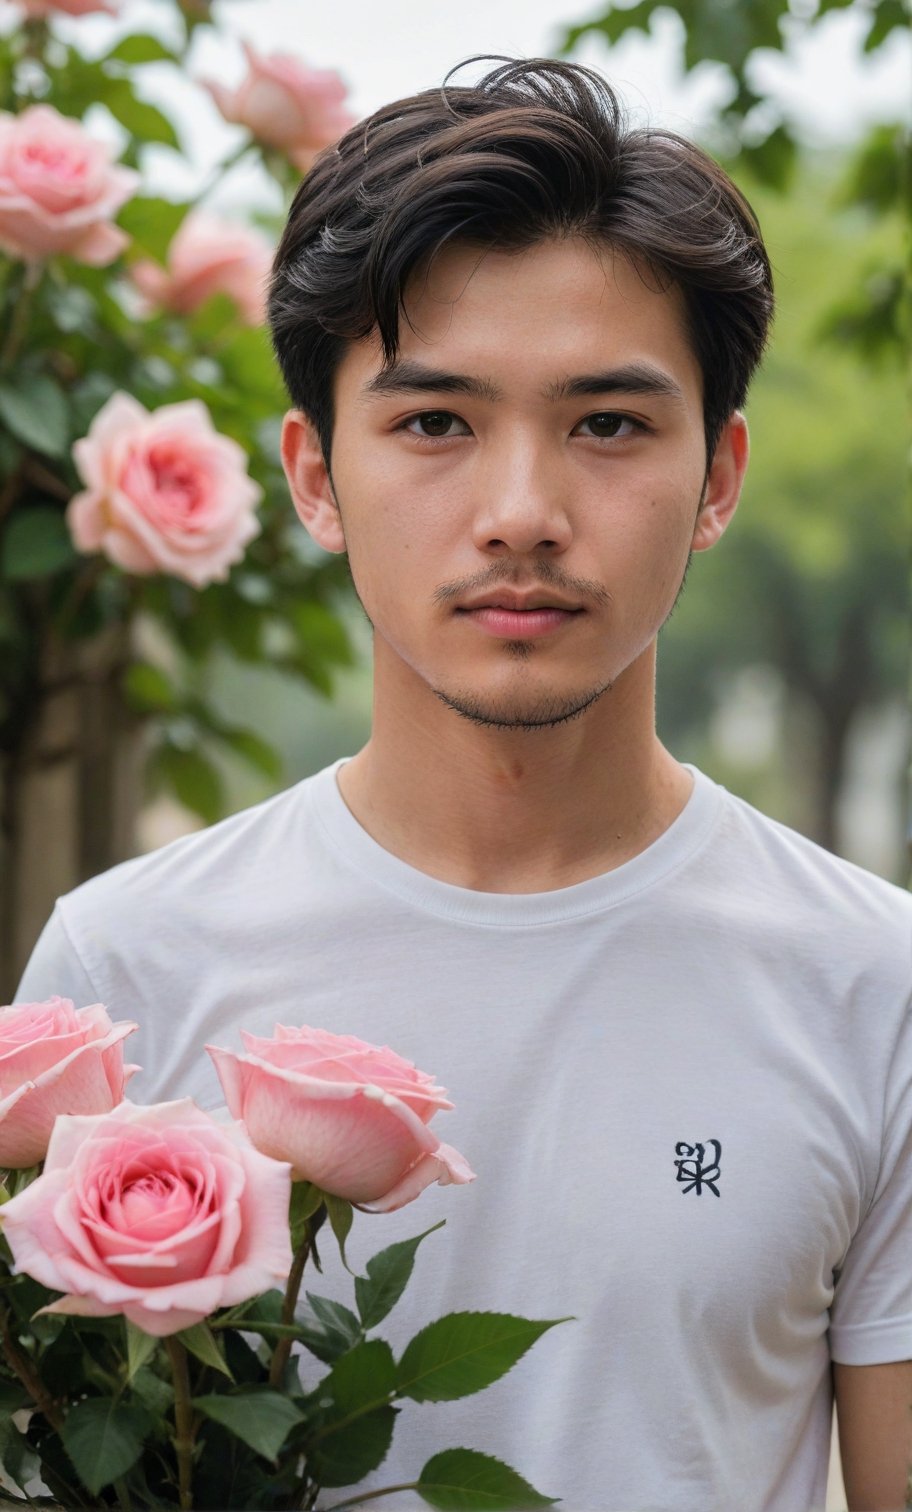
(151, 1260)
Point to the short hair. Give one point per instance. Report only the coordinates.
(537, 148)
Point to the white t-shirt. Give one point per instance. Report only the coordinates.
(685, 1085)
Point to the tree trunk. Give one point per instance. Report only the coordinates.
(69, 790)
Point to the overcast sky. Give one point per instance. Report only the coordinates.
(387, 48)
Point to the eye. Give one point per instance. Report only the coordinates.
(435, 425)
(607, 424)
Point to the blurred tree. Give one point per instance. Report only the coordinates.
(813, 578)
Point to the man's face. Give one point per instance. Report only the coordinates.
(520, 494)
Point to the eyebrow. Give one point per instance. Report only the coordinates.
(409, 377)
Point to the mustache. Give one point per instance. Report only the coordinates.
(546, 576)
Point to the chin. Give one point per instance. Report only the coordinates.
(541, 711)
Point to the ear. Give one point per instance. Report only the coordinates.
(309, 481)
(723, 483)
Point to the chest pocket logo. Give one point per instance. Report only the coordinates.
(693, 1168)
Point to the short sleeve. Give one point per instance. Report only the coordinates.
(55, 968)
(871, 1312)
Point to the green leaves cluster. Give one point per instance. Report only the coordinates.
(69, 339)
(103, 1434)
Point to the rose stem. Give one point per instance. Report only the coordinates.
(27, 1374)
(283, 1345)
(19, 321)
(183, 1418)
(364, 1496)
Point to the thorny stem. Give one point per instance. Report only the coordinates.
(183, 1419)
(283, 1346)
(27, 1373)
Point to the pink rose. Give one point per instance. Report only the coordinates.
(68, 7)
(209, 256)
(59, 189)
(166, 492)
(55, 1058)
(351, 1117)
(286, 104)
(159, 1213)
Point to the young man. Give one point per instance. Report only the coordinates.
(517, 337)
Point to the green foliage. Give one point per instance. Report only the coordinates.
(259, 1417)
(35, 410)
(462, 1480)
(340, 1218)
(140, 1348)
(387, 1277)
(104, 1438)
(36, 543)
(355, 1450)
(202, 1343)
(464, 1352)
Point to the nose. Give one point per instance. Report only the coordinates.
(522, 501)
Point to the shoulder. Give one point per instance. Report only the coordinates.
(823, 914)
(201, 885)
(812, 875)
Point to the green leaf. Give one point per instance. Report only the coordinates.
(364, 1377)
(103, 1439)
(263, 1419)
(306, 1199)
(140, 48)
(322, 634)
(148, 690)
(254, 750)
(339, 1321)
(194, 780)
(464, 1352)
(143, 121)
(36, 410)
(773, 160)
(16, 1456)
(201, 1342)
(340, 1216)
(889, 16)
(152, 222)
(387, 1276)
(13, 1396)
(36, 543)
(463, 1480)
(344, 1458)
(156, 1395)
(335, 1315)
(140, 1348)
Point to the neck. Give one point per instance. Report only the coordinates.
(513, 810)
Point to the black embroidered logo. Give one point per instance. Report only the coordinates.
(693, 1170)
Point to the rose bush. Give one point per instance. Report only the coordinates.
(285, 104)
(59, 189)
(209, 255)
(158, 1213)
(166, 492)
(55, 1058)
(351, 1117)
